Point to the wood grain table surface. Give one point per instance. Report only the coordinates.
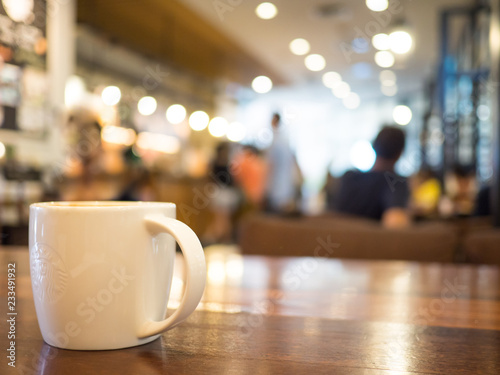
(265, 315)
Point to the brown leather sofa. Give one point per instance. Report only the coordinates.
(346, 237)
(483, 246)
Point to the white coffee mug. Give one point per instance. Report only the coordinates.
(101, 272)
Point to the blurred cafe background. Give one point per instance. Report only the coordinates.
(247, 115)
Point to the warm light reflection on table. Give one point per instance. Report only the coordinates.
(395, 292)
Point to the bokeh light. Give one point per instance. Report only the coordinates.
(401, 42)
(2, 150)
(262, 84)
(163, 143)
(315, 62)
(389, 90)
(236, 132)
(19, 10)
(198, 120)
(118, 135)
(147, 106)
(74, 91)
(360, 45)
(362, 155)
(402, 115)
(218, 127)
(377, 5)
(384, 59)
(299, 47)
(341, 90)
(266, 11)
(176, 113)
(381, 42)
(483, 112)
(111, 95)
(330, 79)
(387, 78)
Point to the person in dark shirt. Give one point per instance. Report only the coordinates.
(381, 193)
(224, 200)
(483, 199)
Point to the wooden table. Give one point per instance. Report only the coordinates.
(263, 315)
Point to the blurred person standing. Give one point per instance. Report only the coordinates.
(483, 201)
(284, 178)
(225, 199)
(250, 171)
(380, 193)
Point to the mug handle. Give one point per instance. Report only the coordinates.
(196, 271)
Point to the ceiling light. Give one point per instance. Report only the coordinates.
(299, 46)
(381, 42)
(401, 42)
(377, 5)
(111, 95)
(315, 62)
(176, 113)
(387, 78)
(341, 90)
(198, 120)
(352, 101)
(266, 11)
(389, 90)
(384, 59)
(402, 115)
(147, 106)
(236, 132)
(218, 127)
(262, 84)
(331, 78)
